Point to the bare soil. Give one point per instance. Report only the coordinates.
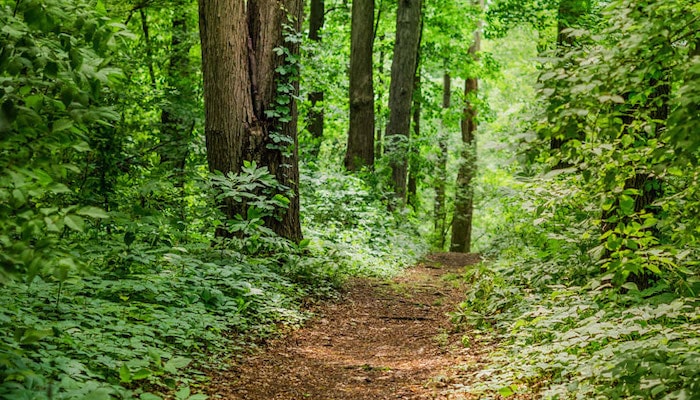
(381, 340)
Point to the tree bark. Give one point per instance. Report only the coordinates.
(244, 121)
(464, 191)
(360, 151)
(403, 67)
(314, 120)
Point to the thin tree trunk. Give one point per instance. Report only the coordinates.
(441, 179)
(241, 80)
(403, 67)
(381, 123)
(464, 191)
(360, 151)
(315, 117)
(414, 151)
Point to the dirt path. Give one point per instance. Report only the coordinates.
(381, 340)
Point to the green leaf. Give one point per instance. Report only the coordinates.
(19, 197)
(653, 268)
(81, 147)
(62, 125)
(198, 396)
(124, 374)
(183, 394)
(34, 101)
(506, 391)
(143, 373)
(74, 222)
(626, 204)
(155, 356)
(76, 58)
(150, 396)
(59, 188)
(176, 363)
(34, 335)
(675, 171)
(281, 200)
(607, 204)
(658, 389)
(99, 394)
(617, 99)
(51, 225)
(92, 212)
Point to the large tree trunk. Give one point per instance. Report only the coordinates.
(403, 67)
(176, 118)
(464, 191)
(441, 178)
(239, 63)
(360, 151)
(314, 122)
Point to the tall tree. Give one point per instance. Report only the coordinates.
(403, 67)
(249, 71)
(464, 191)
(314, 121)
(360, 151)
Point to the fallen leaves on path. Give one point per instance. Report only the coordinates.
(381, 340)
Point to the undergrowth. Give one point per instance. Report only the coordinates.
(146, 307)
(564, 328)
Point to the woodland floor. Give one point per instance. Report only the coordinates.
(382, 339)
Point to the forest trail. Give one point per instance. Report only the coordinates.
(383, 339)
